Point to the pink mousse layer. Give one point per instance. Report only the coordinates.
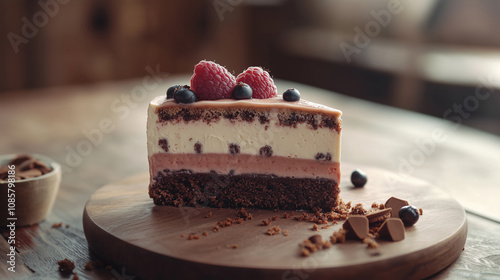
(245, 164)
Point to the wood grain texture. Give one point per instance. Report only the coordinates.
(123, 226)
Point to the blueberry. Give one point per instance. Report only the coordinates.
(409, 215)
(184, 95)
(291, 95)
(358, 178)
(242, 91)
(171, 90)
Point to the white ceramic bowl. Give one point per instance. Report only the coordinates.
(34, 197)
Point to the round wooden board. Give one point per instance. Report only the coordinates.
(124, 228)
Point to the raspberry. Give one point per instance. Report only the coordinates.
(260, 81)
(212, 81)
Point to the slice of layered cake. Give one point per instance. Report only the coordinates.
(265, 153)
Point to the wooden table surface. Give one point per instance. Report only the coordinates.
(61, 122)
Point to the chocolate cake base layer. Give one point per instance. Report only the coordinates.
(185, 188)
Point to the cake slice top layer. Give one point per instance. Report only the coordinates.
(305, 106)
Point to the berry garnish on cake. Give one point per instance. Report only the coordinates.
(242, 91)
(184, 95)
(212, 81)
(260, 81)
(291, 95)
(226, 142)
(171, 90)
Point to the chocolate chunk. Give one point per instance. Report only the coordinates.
(266, 151)
(319, 156)
(316, 240)
(163, 144)
(392, 229)
(328, 157)
(234, 149)
(19, 159)
(379, 216)
(66, 266)
(356, 226)
(41, 166)
(4, 172)
(26, 165)
(30, 173)
(198, 147)
(323, 157)
(396, 204)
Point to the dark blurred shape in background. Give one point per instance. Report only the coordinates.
(428, 56)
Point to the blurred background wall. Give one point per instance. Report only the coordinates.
(426, 56)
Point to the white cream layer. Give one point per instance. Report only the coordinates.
(295, 142)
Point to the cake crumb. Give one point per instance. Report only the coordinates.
(88, 266)
(338, 236)
(273, 231)
(67, 226)
(358, 210)
(182, 235)
(205, 233)
(57, 225)
(265, 222)
(371, 243)
(313, 244)
(66, 266)
(348, 205)
(75, 277)
(326, 227)
(234, 246)
(242, 213)
(285, 216)
(315, 227)
(193, 237)
(285, 232)
(274, 218)
(421, 211)
(209, 215)
(216, 229)
(304, 252)
(226, 223)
